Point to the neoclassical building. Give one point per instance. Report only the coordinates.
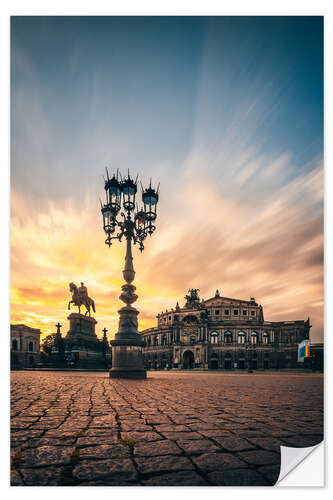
(25, 346)
(222, 333)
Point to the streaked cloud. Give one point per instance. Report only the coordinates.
(232, 127)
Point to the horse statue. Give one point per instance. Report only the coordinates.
(80, 297)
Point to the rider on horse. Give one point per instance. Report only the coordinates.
(83, 293)
(80, 297)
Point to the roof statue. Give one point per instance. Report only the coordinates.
(80, 297)
(192, 299)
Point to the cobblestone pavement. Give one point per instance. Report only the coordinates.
(172, 429)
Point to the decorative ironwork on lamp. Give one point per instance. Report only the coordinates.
(135, 224)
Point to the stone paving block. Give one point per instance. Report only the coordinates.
(248, 433)
(15, 478)
(173, 428)
(159, 419)
(108, 432)
(49, 441)
(238, 477)
(115, 469)
(270, 444)
(56, 433)
(197, 446)
(156, 448)
(213, 433)
(234, 443)
(50, 476)
(165, 463)
(176, 479)
(209, 462)
(47, 455)
(104, 451)
(174, 436)
(201, 426)
(141, 436)
(18, 442)
(95, 440)
(259, 457)
(271, 473)
(140, 427)
(103, 422)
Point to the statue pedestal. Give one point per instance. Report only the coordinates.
(83, 349)
(81, 328)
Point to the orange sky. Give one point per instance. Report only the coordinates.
(226, 113)
(270, 250)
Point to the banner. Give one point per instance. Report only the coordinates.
(303, 350)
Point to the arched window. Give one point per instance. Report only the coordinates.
(228, 338)
(254, 338)
(155, 340)
(214, 337)
(241, 338)
(149, 341)
(31, 347)
(163, 340)
(14, 345)
(265, 338)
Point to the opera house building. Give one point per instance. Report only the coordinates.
(222, 333)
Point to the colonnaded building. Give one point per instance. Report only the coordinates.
(222, 333)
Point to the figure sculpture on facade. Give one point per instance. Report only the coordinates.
(80, 297)
(192, 299)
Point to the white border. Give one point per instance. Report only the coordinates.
(144, 7)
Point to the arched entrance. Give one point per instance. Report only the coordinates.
(227, 362)
(241, 363)
(254, 361)
(188, 360)
(214, 362)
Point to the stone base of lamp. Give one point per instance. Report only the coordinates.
(127, 359)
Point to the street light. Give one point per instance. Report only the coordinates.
(135, 224)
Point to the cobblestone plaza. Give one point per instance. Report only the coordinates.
(185, 428)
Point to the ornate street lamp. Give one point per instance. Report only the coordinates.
(135, 224)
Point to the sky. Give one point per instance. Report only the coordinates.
(225, 112)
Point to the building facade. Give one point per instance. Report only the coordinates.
(24, 346)
(222, 333)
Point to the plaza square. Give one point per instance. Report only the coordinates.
(172, 429)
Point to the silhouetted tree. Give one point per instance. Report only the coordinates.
(48, 343)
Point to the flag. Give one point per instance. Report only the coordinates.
(303, 350)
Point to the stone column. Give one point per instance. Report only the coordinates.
(127, 358)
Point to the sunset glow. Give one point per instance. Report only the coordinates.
(234, 140)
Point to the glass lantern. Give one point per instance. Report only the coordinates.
(113, 194)
(129, 189)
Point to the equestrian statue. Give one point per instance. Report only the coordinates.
(80, 298)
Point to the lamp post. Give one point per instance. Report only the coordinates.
(135, 225)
